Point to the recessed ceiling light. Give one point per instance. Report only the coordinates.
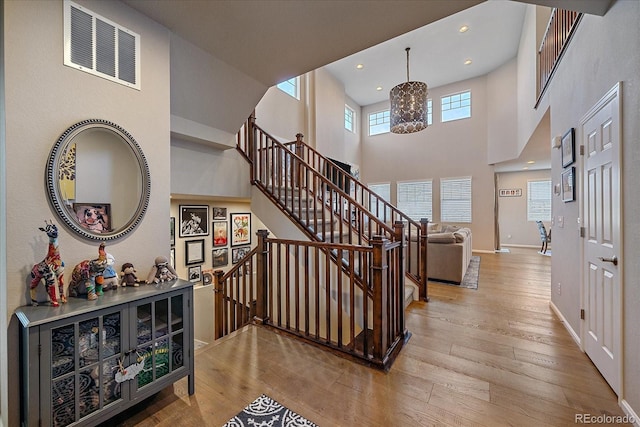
(360, 66)
(525, 168)
(467, 62)
(464, 29)
(379, 88)
(531, 162)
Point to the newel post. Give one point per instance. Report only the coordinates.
(400, 277)
(380, 270)
(218, 289)
(261, 277)
(424, 225)
(300, 153)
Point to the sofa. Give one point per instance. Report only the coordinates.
(449, 250)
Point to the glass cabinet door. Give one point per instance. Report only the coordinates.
(84, 361)
(159, 337)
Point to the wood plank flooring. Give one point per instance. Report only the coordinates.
(488, 357)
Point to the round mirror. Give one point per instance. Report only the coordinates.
(98, 180)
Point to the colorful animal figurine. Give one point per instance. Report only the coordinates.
(87, 276)
(50, 270)
(161, 271)
(109, 275)
(128, 275)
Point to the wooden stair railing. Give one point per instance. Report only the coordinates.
(561, 27)
(293, 287)
(416, 267)
(322, 209)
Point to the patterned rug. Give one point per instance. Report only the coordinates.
(264, 411)
(470, 280)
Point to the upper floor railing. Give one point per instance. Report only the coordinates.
(561, 27)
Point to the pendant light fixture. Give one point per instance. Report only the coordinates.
(408, 105)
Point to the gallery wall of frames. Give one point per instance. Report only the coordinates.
(210, 235)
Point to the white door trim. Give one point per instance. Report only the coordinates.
(613, 93)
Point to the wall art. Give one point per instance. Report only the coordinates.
(194, 220)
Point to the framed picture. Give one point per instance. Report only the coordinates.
(194, 251)
(568, 148)
(194, 221)
(240, 229)
(207, 277)
(220, 257)
(95, 217)
(172, 231)
(172, 258)
(195, 273)
(569, 185)
(219, 214)
(219, 233)
(238, 253)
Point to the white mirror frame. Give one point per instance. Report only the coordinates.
(52, 181)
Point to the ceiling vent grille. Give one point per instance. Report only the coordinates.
(101, 47)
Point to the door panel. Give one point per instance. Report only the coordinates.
(602, 287)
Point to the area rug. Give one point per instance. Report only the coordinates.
(470, 280)
(264, 411)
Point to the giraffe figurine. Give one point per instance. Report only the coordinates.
(50, 270)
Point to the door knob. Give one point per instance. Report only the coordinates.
(613, 260)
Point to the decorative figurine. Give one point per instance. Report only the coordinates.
(110, 277)
(51, 269)
(87, 276)
(128, 275)
(161, 271)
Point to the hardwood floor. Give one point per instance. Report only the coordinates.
(492, 356)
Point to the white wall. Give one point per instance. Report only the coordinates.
(452, 149)
(502, 129)
(512, 211)
(43, 98)
(603, 51)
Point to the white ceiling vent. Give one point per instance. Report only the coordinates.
(101, 47)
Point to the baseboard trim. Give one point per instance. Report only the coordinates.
(507, 245)
(633, 417)
(566, 324)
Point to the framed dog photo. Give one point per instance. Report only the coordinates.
(194, 220)
(95, 217)
(240, 229)
(568, 148)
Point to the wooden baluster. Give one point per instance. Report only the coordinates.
(218, 289)
(399, 277)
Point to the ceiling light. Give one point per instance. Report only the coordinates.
(359, 66)
(379, 88)
(525, 168)
(408, 105)
(531, 162)
(467, 62)
(464, 29)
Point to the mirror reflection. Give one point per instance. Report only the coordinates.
(98, 180)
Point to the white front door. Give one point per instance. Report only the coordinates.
(602, 287)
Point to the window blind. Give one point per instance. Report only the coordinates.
(415, 199)
(375, 206)
(455, 199)
(539, 200)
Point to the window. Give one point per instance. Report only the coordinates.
(291, 87)
(456, 107)
(100, 47)
(455, 199)
(539, 200)
(349, 119)
(429, 113)
(379, 122)
(375, 206)
(415, 199)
